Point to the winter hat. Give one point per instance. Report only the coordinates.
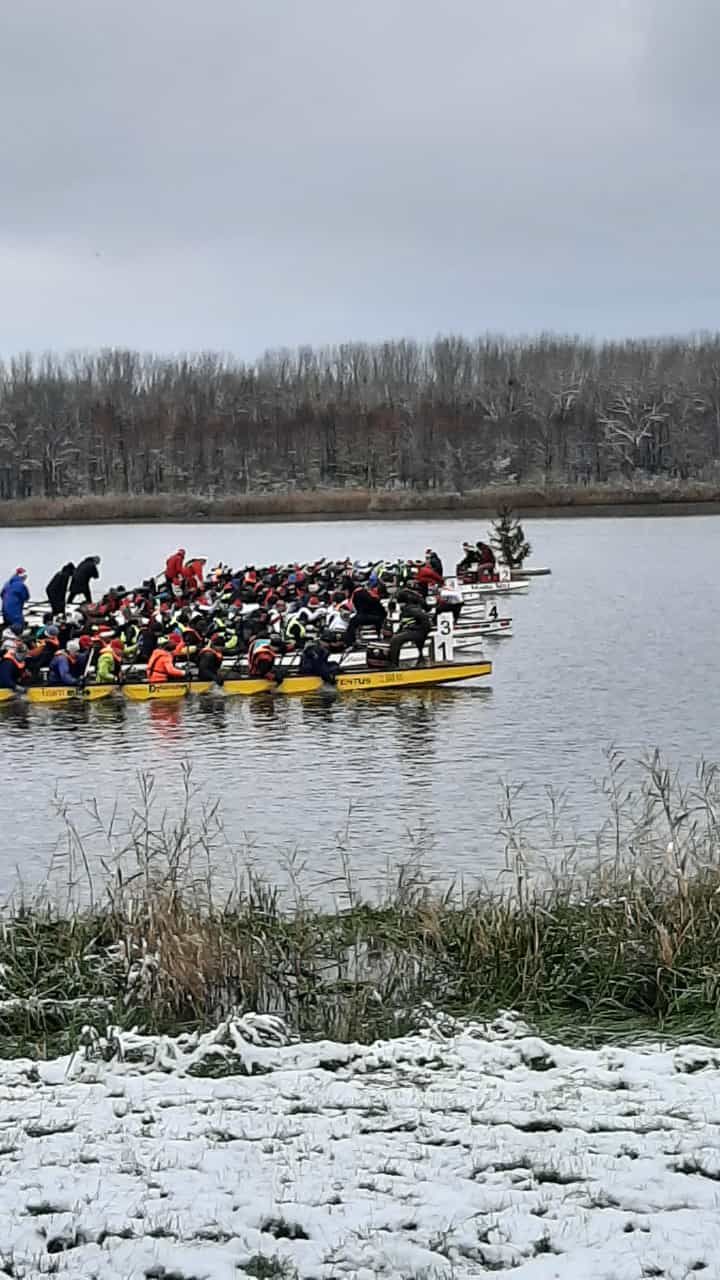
(21, 573)
(52, 630)
(73, 647)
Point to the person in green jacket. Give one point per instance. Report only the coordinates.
(110, 662)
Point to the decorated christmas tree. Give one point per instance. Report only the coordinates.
(508, 539)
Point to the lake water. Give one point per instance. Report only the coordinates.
(618, 646)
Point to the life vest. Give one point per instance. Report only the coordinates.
(108, 651)
(260, 650)
(209, 649)
(160, 667)
(295, 629)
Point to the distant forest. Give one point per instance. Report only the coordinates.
(450, 415)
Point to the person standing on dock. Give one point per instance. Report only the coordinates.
(57, 588)
(82, 577)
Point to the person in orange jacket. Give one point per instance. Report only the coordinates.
(161, 669)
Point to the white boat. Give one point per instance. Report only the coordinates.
(504, 586)
(474, 637)
(528, 571)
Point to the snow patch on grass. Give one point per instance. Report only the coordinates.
(452, 1153)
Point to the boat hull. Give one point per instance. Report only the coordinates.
(156, 692)
(517, 575)
(474, 636)
(49, 695)
(358, 681)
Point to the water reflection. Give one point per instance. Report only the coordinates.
(166, 719)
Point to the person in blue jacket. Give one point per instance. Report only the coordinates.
(15, 596)
(60, 670)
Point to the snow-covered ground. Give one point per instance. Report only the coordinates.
(450, 1153)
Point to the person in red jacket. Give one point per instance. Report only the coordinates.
(194, 573)
(429, 577)
(174, 564)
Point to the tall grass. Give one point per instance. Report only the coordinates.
(355, 503)
(631, 937)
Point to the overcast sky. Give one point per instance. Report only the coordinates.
(244, 174)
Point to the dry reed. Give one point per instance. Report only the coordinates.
(632, 936)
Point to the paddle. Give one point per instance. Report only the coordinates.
(83, 681)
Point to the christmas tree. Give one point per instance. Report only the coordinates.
(508, 539)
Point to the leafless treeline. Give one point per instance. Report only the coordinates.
(451, 414)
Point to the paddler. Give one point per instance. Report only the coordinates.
(427, 577)
(193, 574)
(210, 659)
(486, 557)
(432, 558)
(369, 612)
(12, 669)
(262, 657)
(43, 651)
(60, 671)
(315, 661)
(161, 669)
(469, 560)
(109, 666)
(414, 628)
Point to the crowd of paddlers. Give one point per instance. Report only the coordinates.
(198, 621)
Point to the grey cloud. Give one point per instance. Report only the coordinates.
(242, 174)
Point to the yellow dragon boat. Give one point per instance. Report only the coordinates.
(54, 694)
(359, 681)
(440, 670)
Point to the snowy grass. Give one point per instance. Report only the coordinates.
(452, 1153)
(628, 941)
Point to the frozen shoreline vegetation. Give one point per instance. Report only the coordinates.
(619, 938)
(457, 1151)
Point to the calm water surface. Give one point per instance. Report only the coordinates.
(618, 646)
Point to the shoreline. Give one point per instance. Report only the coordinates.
(561, 502)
